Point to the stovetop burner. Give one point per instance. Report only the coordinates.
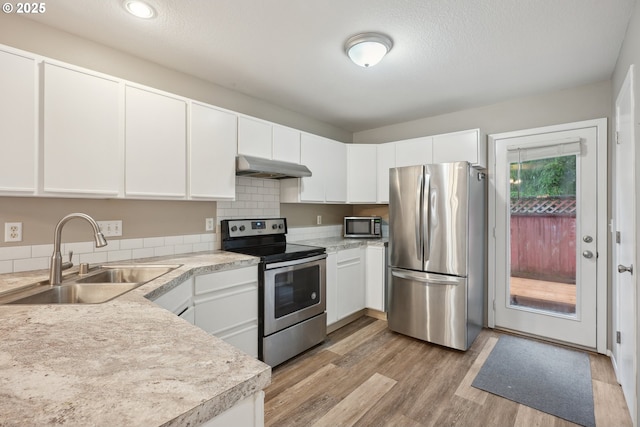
(264, 238)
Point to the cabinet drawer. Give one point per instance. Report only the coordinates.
(226, 279)
(220, 311)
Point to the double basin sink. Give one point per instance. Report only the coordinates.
(101, 285)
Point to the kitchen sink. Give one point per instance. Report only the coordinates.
(101, 285)
(127, 274)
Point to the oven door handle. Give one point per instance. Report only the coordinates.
(271, 266)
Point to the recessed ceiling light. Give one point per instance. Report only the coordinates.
(139, 8)
(367, 49)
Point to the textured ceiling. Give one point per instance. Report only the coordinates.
(448, 55)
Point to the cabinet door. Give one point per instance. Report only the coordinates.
(332, 288)
(375, 278)
(18, 124)
(254, 137)
(212, 154)
(155, 136)
(386, 160)
(362, 173)
(82, 132)
(459, 146)
(178, 299)
(286, 144)
(335, 172)
(416, 151)
(313, 154)
(226, 305)
(351, 290)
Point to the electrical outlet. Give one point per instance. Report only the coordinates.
(209, 224)
(13, 232)
(111, 228)
(319, 220)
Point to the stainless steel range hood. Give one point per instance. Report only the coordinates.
(257, 167)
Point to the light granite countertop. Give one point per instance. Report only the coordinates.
(333, 244)
(127, 362)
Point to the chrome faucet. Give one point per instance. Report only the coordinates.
(55, 271)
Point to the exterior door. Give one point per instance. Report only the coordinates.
(547, 237)
(624, 288)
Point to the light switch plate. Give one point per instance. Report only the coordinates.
(209, 224)
(111, 228)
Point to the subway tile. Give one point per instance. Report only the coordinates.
(164, 250)
(15, 252)
(78, 247)
(153, 242)
(142, 253)
(29, 264)
(199, 247)
(173, 240)
(183, 249)
(6, 267)
(94, 258)
(112, 245)
(192, 238)
(41, 250)
(131, 244)
(121, 255)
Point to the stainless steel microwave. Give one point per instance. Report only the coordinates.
(363, 226)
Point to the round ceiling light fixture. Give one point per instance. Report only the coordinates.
(367, 49)
(140, 9)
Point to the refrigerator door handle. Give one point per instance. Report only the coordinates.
(419, 220)
(430, 278)
(426, 220)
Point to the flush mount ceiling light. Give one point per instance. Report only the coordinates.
(140, 9)
(367, 49)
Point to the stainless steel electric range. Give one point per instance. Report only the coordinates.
(292, 286)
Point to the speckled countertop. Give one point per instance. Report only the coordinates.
(127, 362)
(333, 244)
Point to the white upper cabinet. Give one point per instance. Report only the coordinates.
(362, 173)
(460, 146)
(18, 123)
(416, 151)
(286, 144)
(212, 153)
(386, 160)
(314, 155)
(156, 132)
(82, 132)
(327, 161)
(254, 137)
(335, 164)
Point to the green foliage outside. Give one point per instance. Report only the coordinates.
(545, 177)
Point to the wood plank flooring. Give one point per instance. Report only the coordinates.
(366, 375)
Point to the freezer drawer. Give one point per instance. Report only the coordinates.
(430, 307)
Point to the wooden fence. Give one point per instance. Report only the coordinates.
(543, 247)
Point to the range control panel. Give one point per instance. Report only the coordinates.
(254, 227)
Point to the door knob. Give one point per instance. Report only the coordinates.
(623, 269)
(587, 254)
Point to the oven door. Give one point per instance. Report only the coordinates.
(293, 291)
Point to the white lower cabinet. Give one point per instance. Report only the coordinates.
(226, 305)
(350, 281)
(375, 273)
(332, 287)
(179, 300)
(249, 412)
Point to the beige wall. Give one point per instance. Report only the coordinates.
(305, 215)
(565, 106)
(140, 218)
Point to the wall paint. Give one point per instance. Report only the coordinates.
(305, 214)
(140, 218)
(564, 106)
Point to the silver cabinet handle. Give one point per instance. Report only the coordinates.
(623, 269)
(587, 254)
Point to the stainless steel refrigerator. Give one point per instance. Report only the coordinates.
(437, 252)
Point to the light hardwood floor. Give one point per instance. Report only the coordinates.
(366, 375)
